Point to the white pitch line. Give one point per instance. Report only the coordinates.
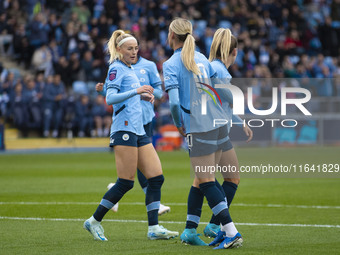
(50, 203)
(289, 206)
(170, 222)
(176, 204)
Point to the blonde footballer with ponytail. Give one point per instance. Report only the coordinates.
(178, 73)
(128, 138)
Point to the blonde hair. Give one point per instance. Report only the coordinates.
(112, 44)
(222, 45)
(183, 30)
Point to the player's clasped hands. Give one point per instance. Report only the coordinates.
(145, 89)
(146, 93)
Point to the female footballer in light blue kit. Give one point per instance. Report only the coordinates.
(132, 147)
(223, 53)
(179, 70)
(147, 74)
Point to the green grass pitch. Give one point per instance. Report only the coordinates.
(44, 199)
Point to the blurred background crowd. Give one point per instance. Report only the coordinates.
(62, 43)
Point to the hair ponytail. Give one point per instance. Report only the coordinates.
(223, 44)
(188, 54)
(112, 44)
(183, 30)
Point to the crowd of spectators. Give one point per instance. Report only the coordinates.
(63, 44)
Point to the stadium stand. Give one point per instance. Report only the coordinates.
(64, 42)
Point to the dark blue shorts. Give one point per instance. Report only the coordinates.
(206, 143)
(128, 139)
(148, 129)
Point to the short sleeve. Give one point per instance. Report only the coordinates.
(170, 76)
(155, 80)
(115, 77)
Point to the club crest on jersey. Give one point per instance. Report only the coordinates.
(112, 75)
(126, 137)
(142, 71)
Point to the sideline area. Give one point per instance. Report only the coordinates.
(13, 142)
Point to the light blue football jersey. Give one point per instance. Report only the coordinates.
(177, 76)
(223, 73)
(127, 115)
(147, 74)
(221, 70)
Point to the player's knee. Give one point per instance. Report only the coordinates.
(156, 182)
(196, 183)
(205, 180)
(233, 180)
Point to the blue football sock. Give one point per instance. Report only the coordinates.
(195, 202)
(216, 201)
(153, 198)
(142, 180)
(214, 219)
(112, 196)
(229, 190)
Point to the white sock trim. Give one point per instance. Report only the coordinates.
(153, 226)
(229, 229)
(93, 220)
